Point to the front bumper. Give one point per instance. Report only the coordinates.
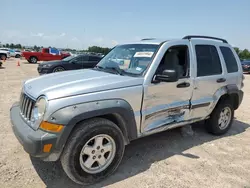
(240, 94)
(42, 70)
(31, 140)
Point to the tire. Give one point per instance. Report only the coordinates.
(58, 69)
(17, 56)
(82, 135)
(212, 124)
(33, 59)
(3, 57)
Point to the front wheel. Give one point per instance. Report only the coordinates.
(58, 69)
(93, 151)
(221, 118)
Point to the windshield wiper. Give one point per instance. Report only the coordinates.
(113, 69)
(117, 70)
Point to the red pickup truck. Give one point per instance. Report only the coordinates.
(46, 54)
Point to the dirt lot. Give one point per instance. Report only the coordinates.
(167, 159)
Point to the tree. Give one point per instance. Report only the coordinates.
(36, 48)
(98, 49)
(237, 50)
(7, 45)
(245, 54)
(12, 45)
(19, 46)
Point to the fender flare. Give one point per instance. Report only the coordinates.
(230, 90)
(70, 116)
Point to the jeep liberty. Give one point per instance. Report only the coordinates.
(84, 118)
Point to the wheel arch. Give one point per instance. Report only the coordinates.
(228, 92)
(56, 66)
(118, 111)
(3, 54)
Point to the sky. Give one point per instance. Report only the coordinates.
(81, 23)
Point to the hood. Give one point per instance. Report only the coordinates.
(69, 83)
(50, 62)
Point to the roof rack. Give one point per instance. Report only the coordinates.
(206, 37)
(148, 39)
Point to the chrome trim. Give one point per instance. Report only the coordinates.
(26, 106)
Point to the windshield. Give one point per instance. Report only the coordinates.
(130, 58)
(69, 58)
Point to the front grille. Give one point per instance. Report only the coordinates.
(26, 106)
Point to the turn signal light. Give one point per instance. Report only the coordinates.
(47, 148)
(51, 127)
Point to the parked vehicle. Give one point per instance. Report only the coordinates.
(4, 54)
(18, 54)
(69, 63)
(246, 66)
(12, 53)
(86, 117)
(46, 54)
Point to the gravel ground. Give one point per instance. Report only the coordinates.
(168, 159)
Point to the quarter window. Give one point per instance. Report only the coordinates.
(208, 61)
(229, 59)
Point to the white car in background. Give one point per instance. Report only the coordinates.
(13, 53)
(18, 53)
(4, 54)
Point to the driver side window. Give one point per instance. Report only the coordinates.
(176, 57)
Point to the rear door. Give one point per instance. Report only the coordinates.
(210, 77)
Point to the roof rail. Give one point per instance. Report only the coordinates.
(148, 39)
(206, 37)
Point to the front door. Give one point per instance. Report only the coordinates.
(167, 103)
(77, 63)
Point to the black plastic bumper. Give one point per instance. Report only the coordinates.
(240, 94)
(31, 140)
(42, 70)
(246, 69)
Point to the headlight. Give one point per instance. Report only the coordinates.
(47, 65)
(38, 112)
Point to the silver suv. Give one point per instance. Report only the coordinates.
(84, 118)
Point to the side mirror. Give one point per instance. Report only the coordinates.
(121, 62)
(74, 61)
(168, 75)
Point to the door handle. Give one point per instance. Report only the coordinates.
(220, 80)
(183, 84)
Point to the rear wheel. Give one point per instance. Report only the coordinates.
(93, 152)
(33, 59)
(58, 69)
(221, 118)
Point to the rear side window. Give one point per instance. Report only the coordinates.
(208, 61)
(229, 59)
(94, 58)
